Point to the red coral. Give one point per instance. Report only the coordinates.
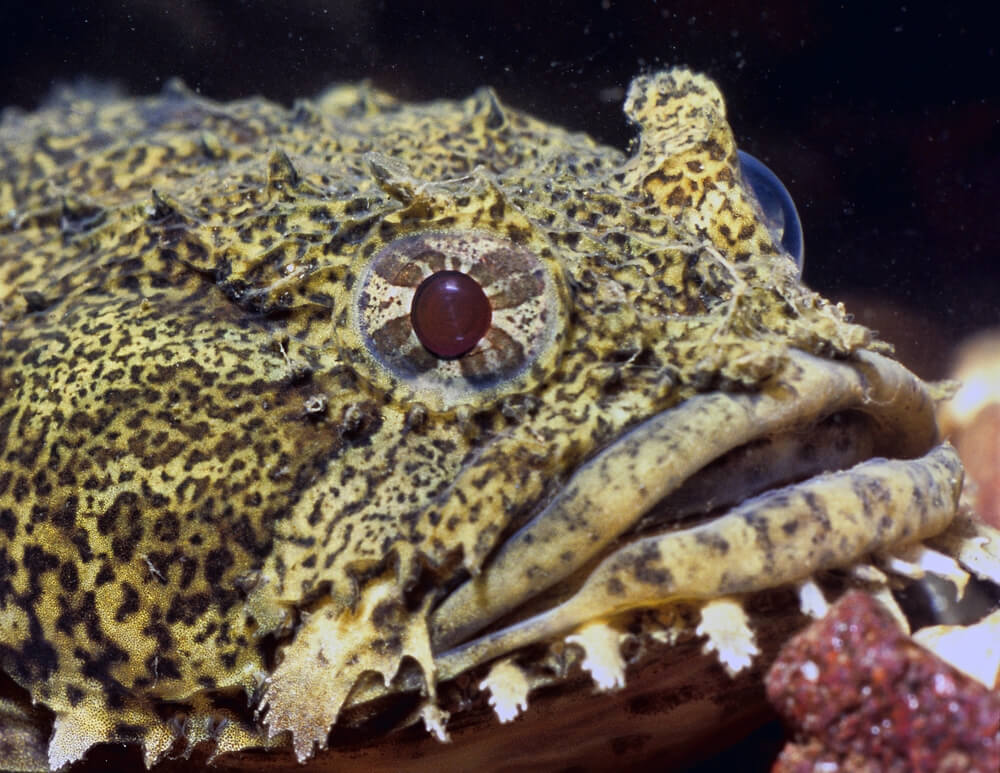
(863, 696)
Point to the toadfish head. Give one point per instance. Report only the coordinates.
(336, 403)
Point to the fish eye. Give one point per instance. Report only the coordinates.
(776, 202)
(450, 313)
(446, 316)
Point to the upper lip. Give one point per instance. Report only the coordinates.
(606, 499)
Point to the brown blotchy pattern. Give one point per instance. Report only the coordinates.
(196, 444)
(862, 696)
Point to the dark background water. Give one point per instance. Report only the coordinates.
(881, 118)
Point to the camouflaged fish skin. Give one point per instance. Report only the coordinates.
(218, 435)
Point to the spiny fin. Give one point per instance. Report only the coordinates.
(225, 730)
(90, 723)
(332, 650)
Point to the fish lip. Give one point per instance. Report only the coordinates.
(586, 525)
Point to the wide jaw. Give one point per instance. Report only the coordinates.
(724, 494)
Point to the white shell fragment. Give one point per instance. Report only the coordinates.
(915, 561)
(974, 649)
(976, 546)
(508, 688)
(883, 595)
(726, 625)
(868, 573)
(603, 658)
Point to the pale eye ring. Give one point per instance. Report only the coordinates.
(451, 317)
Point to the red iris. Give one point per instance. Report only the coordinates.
(450, 313)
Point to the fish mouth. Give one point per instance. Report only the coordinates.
(723, 494)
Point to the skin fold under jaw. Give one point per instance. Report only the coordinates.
(607, 496)
(693, 565)
(244, 502)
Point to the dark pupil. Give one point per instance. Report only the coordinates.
(450, 313)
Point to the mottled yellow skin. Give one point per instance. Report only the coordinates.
(198, 446)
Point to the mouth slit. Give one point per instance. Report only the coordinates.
(835, 443)
(779, 537)
(836, 412)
